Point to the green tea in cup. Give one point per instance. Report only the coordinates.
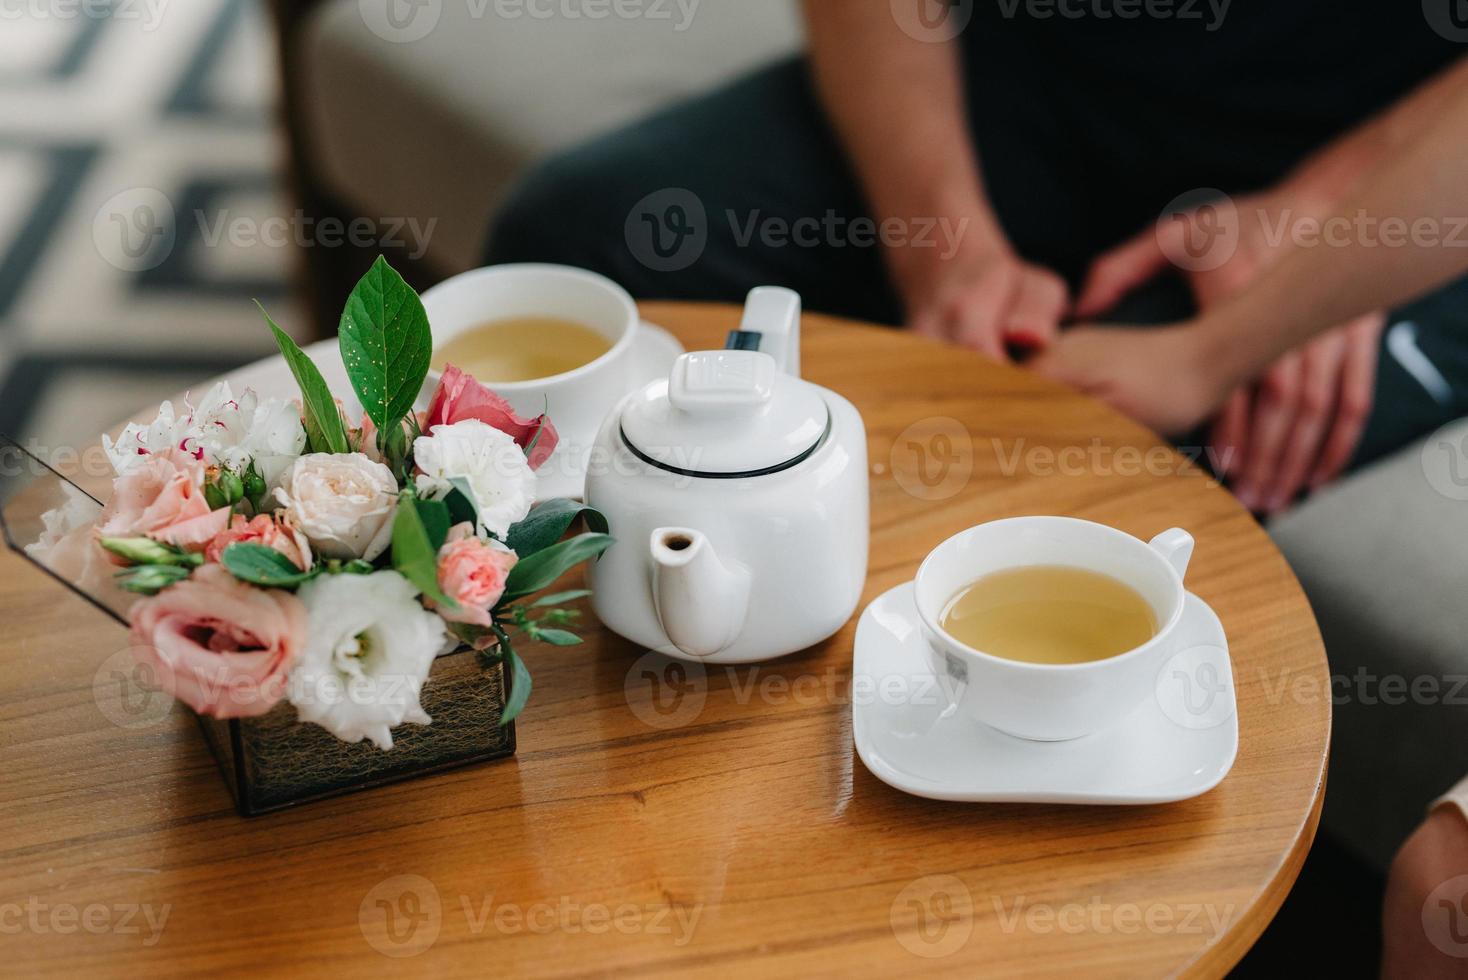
(1049, 614)
(522, 348)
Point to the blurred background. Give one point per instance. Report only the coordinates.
(130, 133)
(163, 163)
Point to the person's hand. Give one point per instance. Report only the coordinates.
(1301, 421)
(1436, 852)
(985, 301)
(1161, 376)
(1219, 249)
(1299, 425)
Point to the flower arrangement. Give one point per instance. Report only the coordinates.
(285, 554)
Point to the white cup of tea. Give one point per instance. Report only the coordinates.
(577, 393)
(1053, 701)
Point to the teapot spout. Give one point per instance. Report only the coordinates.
(700, 601)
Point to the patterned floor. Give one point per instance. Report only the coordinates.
(137, 171)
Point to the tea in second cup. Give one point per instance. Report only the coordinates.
(523, 319)
(1055, 627)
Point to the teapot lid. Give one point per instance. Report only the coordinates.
(723, 414)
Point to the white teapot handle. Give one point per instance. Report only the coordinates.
(772, 315)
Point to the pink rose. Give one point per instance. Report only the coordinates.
(222, 647)
(472, 572)
(264, 530)
(459, 397)
(163, 498)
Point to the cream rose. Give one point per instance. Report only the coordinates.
(490, 461)
(344, 503)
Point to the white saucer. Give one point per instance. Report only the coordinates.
(653, 354)
(1172, 747)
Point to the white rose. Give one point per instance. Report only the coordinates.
(344, 503)
(497, 473)
(369, 647)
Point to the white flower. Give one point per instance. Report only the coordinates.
(369, 647)
(497, 473)
(136, 442)
(344, 503)
(68, 547)
(220, 430)
(268, 434)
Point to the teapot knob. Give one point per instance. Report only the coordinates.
(722, 381)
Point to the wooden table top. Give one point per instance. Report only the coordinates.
(743, 838)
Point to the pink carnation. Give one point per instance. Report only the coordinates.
(472, 572)
(222, 647)
(264, 530)
(459, 397)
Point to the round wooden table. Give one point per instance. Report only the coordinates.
(660, 822)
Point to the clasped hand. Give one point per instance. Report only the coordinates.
(1294, 426)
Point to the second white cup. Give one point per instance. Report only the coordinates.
(1052, 702)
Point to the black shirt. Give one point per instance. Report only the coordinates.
(1288, 73)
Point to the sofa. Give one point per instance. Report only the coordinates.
(386, 123)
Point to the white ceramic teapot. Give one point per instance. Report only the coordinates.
(738, 496)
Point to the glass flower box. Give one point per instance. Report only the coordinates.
(273, 761)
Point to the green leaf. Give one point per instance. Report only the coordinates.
(436, 522)
(547, 522)
(386, 344)
(150, 579)
(413, 552)
(325, 432)
(518, 677)
(539, 431)
(559, 638)
(259, 565)
(556, 598)
(481, 638)
(544, 567)
(146, 551)
(460, 501)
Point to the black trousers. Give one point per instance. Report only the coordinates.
(748, 186)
